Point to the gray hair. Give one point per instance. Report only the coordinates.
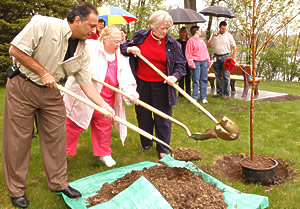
(108, 31)
(159, 17)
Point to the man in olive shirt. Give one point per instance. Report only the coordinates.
(46, 50)
(222, 42)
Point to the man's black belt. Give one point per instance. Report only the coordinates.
(28, 79)
(219, 55)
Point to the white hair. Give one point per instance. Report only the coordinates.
(159, 17)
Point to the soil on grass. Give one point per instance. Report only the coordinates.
(185, 154)
(284, 98)
(181, 187)
(228, 166)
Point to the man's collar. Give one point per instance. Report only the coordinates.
(67, 32)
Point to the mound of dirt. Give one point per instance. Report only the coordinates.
(181, 187)
(228, 166)
(185, 154)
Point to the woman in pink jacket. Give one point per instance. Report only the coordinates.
(198, 60)
(108, 65)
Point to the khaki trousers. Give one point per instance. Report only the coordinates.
(23, 100)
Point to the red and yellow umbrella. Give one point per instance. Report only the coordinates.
(115, 15)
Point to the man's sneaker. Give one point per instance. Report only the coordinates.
(217, 95)
(204, 101)
(225, 97)
(108, 161)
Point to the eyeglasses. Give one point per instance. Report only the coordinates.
(117, 42)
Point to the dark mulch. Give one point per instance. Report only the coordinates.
(228, 166)
(284, 98)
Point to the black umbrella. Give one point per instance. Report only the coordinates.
(217, 11)
(185, 16)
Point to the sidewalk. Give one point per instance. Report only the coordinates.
(238, 94)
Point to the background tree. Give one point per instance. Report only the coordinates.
(14, 15)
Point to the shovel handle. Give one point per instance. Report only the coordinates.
(145, 105)
(118, 119)
(194, 102)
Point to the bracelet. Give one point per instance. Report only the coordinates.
(104, 106)
(45, 75)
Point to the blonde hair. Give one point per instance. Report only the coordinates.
(159, 17)
(108, 31)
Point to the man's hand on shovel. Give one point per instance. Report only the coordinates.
(49, 81)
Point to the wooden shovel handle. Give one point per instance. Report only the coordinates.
(118, 119)
(145, 105)
(194, 102)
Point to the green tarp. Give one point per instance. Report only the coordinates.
(142, 194)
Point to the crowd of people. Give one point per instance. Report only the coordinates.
(84, 50)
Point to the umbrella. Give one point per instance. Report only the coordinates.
(185, 16)
(217, 11)
(115, 15)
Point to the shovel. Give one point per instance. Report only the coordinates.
(197, 136)
(226, 129)
(118, 119)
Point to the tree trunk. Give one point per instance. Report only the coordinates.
(213, 2)
(128, 9)
(190, 4)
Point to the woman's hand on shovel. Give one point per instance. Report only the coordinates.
(134, 50)
(111, 112)
(134, 97)
(171, 80)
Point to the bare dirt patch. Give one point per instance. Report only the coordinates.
(228, 166)
(284, 98)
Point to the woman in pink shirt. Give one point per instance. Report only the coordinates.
(198, 60)
(109, 66)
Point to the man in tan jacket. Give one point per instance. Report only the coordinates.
(46, 50)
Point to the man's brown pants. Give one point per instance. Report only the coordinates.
(23, 100)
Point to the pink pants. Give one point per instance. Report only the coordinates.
(101, 135)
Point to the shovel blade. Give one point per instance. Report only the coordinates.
(227, 129)
(208, 134)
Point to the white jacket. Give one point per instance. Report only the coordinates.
(81, 113)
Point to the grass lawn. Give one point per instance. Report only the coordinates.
(276, 134)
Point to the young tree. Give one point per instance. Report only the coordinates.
(266, 17)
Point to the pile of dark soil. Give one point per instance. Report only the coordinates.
(181, 187)
(228, 166)
(185, 154)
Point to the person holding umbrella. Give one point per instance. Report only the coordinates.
(165, 53)
(222, 41)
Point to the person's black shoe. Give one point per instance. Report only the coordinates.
(71, 192)
(20, 202)
(145, 149)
